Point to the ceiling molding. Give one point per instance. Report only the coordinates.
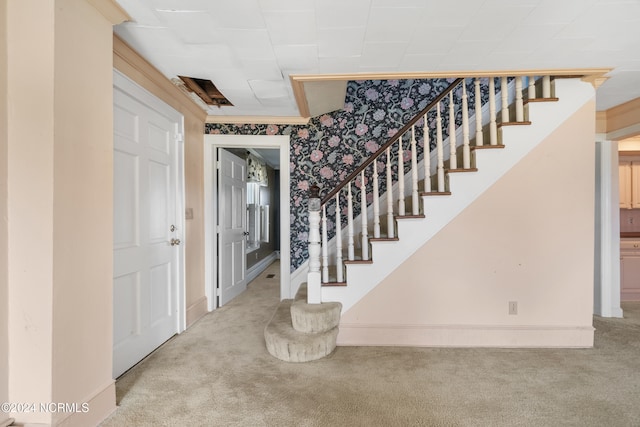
(128, 61)
(267, 120)
(583, 72)
(624, 116)
(110, 10)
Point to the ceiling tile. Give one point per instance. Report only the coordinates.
(291, 27)
(250, 43)
(381, 28)
(557, 12)
(297, 57)
(268, 88)
(420, 62)
(340, 42)
(344, 64)
(192, 27)
(261, 70)
(340, 13)
(398, 3)
(286, 5)
(241, 14)
(386, 55)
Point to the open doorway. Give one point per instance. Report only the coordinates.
(257, 145)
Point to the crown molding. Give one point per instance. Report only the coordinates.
(269, 120)
(110, 10)
(129, 62)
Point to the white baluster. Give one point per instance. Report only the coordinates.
(519, 102)
(363, 215)
(314, 277)
(324, 246)
(339, 267)
(532, 87)
(466, 151)
(390, 227)
(479, 137)
(546, 86)
(427, 156)
(401, 207)
(376, 202)
(440, 151)
(504, 93)
(350, 249)
(453, 158)
(493, 128)
(414, 173)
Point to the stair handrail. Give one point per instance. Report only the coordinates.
(391, 140)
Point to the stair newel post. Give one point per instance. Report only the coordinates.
(401, 207)
(519, 102)
(493, 127)
(504, 94)
(339, 268)
(363, 215)
(427, 156)
(414, 173)
(478, 110)
(313, 276)
(453, 158)
(531, 88)
(546, 86)
(324, 246)
(390, 227)
(466, 150)
(440, 150)
(350, 248)
(376, 201)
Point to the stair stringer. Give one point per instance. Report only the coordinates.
(465, 188)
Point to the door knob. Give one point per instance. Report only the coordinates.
(175, 242)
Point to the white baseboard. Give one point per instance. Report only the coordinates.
(196, 310)
(259, 267)
(466, 336)
(101, 405)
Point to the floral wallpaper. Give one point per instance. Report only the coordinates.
(325, 150)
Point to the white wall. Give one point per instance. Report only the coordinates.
(528, 238)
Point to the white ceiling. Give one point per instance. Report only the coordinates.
(248, 48)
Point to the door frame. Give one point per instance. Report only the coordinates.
(133, 89)
(211, 144)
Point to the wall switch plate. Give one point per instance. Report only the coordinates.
(513, 307)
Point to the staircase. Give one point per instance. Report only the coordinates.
(416, 196)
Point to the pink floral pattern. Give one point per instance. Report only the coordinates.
(329, 147)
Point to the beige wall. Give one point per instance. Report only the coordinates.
(59, 207)
(127, 61)
(528, 238)
(4, 350)
(82, 203)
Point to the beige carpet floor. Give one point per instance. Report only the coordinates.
(218, 373)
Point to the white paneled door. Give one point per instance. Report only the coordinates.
(232, 182)
(147, 228)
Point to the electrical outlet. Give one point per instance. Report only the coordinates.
(513, 307)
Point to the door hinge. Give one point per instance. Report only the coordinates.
(218, 164)
(179, 137)
(217, 292)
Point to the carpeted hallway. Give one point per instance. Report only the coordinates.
(218, 373)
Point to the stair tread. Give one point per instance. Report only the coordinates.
(485, 147)
(435, 193)
(525, 123)
(541, 100)
(409, 216)
(358, 261)
(383, 239)
(461, 170)
(335, 284)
